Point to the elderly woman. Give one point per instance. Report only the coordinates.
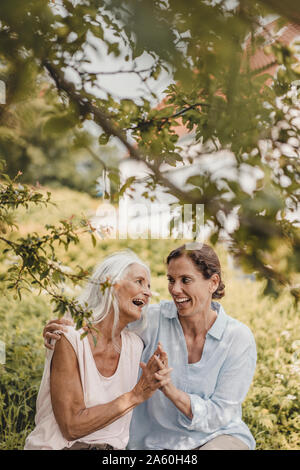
(213, 358)
(88, 391)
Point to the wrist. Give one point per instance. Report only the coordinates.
(135, 398)
(169, 390)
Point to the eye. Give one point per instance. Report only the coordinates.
(170, 280)
(140, 281)
(186, 280)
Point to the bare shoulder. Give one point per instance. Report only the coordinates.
(64, 356)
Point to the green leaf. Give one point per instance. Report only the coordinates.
(127, 184)
(83, 335)
(59, 124)
(103, 139)
(93, 240)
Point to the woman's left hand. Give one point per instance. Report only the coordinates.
(164, 372)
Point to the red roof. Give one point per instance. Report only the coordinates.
(260, 59)
(286, 36)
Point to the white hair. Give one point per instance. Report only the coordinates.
(99, 296)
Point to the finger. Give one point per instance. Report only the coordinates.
(164, 358)
(149, 363)
(152, 361)
(48, 336)
(162, 351)
(55, 320)
(164, 382)
(161, 384)
(162, 373)
(153, 366)
(54, 327)
(48, 345)
(160, 364)
(160, 345)
(162, 354)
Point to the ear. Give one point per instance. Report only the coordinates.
(214, 283)
(116, 286)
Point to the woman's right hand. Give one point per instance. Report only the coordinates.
(148, 383)
(53, 330)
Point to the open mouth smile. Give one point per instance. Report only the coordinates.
(139, 302)
(182, 301)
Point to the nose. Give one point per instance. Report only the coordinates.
(175, 288)
(147, 292)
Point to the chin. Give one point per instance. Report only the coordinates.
(184, 313)
(187, 312)
(134, 316)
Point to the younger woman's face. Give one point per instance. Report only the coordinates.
(133, 292)
(191, 292)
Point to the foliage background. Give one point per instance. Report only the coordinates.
(45, 132)
(271, 409)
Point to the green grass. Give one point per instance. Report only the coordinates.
(271, 409)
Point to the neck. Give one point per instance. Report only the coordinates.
(198, 324)
(105, 329)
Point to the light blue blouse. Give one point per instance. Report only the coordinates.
(217, 384)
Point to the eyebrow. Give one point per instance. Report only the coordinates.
(182, 275)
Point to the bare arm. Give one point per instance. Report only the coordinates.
(73, 418)
(180, 399)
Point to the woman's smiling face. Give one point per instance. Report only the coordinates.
(191, 292)
(133, 292)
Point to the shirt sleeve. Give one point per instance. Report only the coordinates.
(235, 376)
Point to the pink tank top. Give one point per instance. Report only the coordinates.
(97, 390)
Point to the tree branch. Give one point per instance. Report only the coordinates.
(167, 118)
(101, 118)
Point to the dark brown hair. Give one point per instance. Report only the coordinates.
(205, 260)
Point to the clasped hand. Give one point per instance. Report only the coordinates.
(156, 374)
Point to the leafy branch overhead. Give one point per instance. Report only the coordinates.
(206, 47)
(36, 264)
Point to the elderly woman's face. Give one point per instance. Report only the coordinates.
(191, 292)
(133, 292)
